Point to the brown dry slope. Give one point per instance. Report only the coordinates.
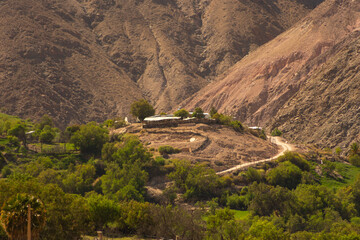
(88, 60)
(305, 80)
(219, 146)
(173, 48)
(50, 63)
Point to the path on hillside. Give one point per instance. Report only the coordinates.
(277, 140)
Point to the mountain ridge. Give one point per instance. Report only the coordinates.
(81, 61)
(260, 84)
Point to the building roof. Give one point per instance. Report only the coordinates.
(161, 118)
(256, 128)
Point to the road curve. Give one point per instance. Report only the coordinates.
(277, 140)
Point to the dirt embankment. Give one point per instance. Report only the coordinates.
(219, 146)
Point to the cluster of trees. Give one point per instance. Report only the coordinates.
(104, 188)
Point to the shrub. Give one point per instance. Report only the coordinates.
(355, 160)
(354, 149)
(253, 175)
(160, 161)
(47, 135)
(198, 113)
(237, 126)
(168, 150)
(90, 138)
(295, 159)
(181, 113)
(225, 120)
(213, 111)
(13, 141)
(285, 175)
(276, 132)
(237, 202)
(142, 109)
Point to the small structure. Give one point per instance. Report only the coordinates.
(256, 128)
(161, 121)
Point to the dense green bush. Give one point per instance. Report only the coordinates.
(168, 150)
(237, 202)
(285, 175)
(90, 139)
(276, 132)
(198, 113)
(197, 182)
(253, 175)
(295, 159)
(47, 135)
(355, 160)
(142, 109)
(181, 113)
(237, 126)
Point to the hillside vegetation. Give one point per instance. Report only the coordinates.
(105, 185)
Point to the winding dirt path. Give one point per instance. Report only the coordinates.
(277, 140)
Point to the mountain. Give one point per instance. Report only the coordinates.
(88, 60)
(304, 81)
(50, 62)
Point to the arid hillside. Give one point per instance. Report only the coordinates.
(305, 81)
(88, 60)
(218, 146)
(51, 63)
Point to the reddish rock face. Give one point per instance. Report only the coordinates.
(282, 82)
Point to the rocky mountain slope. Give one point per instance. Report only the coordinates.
(88, 60)
(305, 81)
(50, 62)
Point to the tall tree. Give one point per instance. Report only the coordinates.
(142, 109)
(19, 131)
(90, 139)
(14, 216)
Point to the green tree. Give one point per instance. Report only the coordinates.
(285, 175)
(102, 210)
(355, 160)
(13, 141)
(45, 120)
(295, 159)
(266, 200)
(354, 149)
(14, 216)
(81, 180)
(47, 135)
(253, 175)
(19, 131)
(142, 109)
(181, 113)
(132, 151)
(198, 182)
(90, 139)
(213, 111)
(276, 132)
(198, 113)
(124, 183)
(222, 225)
(338, 151)
(263, 229)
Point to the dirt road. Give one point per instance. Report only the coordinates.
(277, 140)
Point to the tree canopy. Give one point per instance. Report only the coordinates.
(142, 109)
